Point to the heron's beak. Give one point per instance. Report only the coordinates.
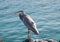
(18, 12)
(15, 12)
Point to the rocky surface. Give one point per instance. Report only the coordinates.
(38, 40)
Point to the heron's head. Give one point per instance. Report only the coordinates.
(19, 12)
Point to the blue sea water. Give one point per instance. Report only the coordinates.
(46, 14)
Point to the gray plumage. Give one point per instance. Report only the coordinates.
(28, 21)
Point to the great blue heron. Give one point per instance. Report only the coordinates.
(28, 22)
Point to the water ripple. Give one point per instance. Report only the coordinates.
(46, 14)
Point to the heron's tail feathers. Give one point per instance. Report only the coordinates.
(35, 30)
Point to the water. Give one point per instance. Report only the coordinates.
(46, 14)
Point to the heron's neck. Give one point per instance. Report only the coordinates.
(21, 16)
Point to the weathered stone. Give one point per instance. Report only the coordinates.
(38, 40)
(1, 40)
(28, 40)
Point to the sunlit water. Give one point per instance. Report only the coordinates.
(46, 14)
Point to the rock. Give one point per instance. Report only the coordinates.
(28, 40)
(1, 40)
(39, 40)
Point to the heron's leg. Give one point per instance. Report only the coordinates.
(29, 34)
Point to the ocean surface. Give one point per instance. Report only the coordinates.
(46, 14)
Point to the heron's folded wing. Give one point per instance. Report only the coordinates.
(30, 24)
(29, 20)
